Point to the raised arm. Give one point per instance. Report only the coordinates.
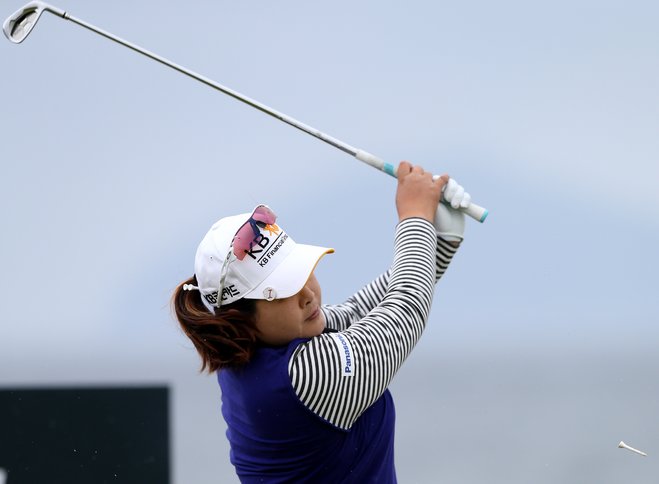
(340, 316)
(339, 375)
(359, 362)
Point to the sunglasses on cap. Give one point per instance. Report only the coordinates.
(243, 241)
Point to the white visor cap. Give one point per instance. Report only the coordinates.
(273, 266)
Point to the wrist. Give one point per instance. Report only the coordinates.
(416, 214)
(449, 223)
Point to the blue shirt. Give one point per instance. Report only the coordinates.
(275, 438)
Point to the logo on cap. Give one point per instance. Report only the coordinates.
(263, 248)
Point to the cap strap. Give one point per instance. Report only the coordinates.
(223, 277)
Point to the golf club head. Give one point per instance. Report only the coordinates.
(19, 25)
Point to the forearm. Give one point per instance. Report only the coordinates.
(445, 252)
(340, 316)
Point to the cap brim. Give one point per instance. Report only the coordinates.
(291, 274)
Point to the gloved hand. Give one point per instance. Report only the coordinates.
(450, 221)
(455, 194)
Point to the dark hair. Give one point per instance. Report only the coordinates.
(224, 339)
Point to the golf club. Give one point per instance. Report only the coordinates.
(19, 25)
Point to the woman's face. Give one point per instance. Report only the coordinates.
(282, 320)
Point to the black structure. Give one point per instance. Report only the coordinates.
(85, 435)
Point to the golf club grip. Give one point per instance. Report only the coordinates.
(474, 211)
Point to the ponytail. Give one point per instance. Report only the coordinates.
(224, 339)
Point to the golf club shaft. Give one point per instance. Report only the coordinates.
(209, 82)
(474, 211)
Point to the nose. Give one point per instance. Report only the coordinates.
(306, 295)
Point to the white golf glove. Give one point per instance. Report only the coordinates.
(450, 221)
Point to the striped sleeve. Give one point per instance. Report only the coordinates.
(341, 316)
(339, 375)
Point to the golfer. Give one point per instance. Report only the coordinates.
(304, 385)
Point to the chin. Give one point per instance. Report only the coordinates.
(316, 330)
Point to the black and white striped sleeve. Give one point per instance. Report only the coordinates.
(339, 375)
(341, 316)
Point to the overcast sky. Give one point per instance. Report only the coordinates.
(114, 167)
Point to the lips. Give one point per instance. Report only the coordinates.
(314, 314)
